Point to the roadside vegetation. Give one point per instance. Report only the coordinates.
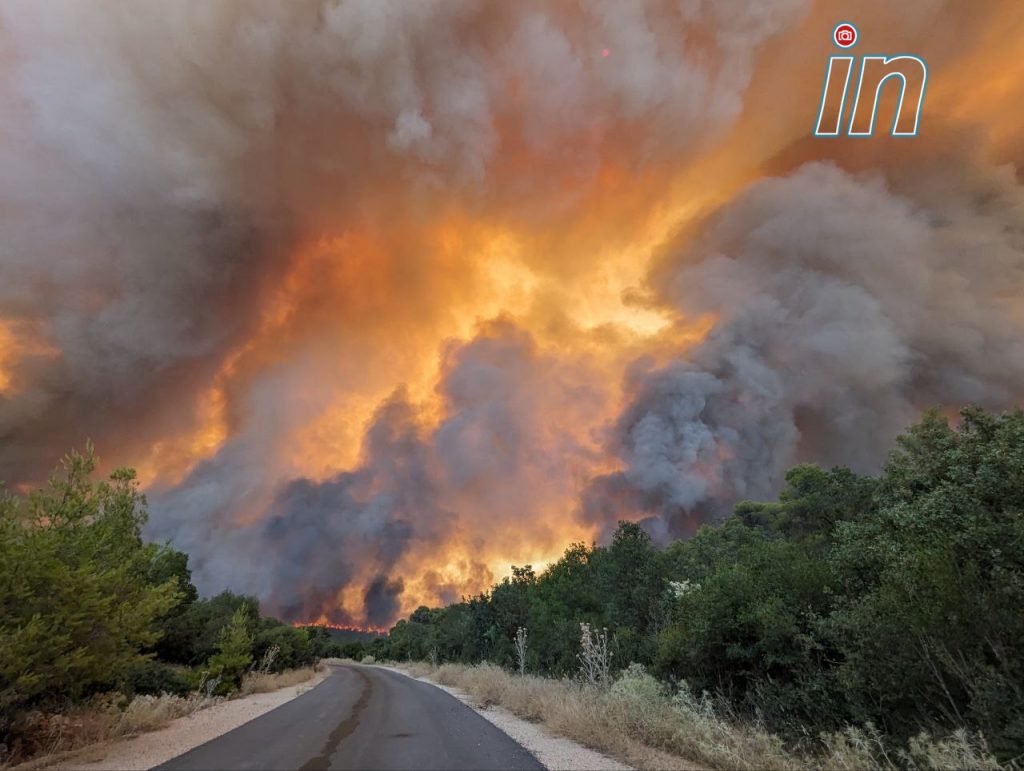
(640, 721)
(103, 634)
(855, 622)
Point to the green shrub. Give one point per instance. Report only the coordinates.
(156, 677)
(293, 646)
(234, 654)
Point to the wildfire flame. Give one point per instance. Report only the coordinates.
(341, 627)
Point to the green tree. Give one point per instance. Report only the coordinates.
(190, 636)
(567, 593)
(811, 504)
(930, 588)
(510, 609)
(631, 583)
(174, 642)
(234, 651)
(78, 602)
(748, 630)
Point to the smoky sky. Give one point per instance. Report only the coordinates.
(337, 275)
(161, 161)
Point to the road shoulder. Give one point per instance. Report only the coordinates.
(144, 751)
(555, 753)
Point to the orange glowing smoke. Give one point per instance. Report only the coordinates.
(19, 343)
(7, 354)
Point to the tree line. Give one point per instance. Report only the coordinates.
(893, 600)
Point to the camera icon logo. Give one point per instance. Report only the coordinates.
(845, 35)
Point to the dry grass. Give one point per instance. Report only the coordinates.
(636, 721)
(148, 713)
(262, 682)
(419, 668)
(43, 737)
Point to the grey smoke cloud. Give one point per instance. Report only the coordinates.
(318, 535)
(844, 308)
(382, 601)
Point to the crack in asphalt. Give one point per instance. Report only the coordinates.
(322, 762)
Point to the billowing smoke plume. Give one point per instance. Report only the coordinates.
(510, 451)
(377, 294)
(844, 308)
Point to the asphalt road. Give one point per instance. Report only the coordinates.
(363, 718)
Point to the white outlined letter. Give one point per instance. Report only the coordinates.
(833, 96)
(912, 73)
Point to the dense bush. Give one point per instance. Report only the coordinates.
(930, 587)
(156, 677)
(294, 648)
(189, 635)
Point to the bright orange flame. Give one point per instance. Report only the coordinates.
(341, 627)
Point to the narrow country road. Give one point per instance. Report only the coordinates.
(363, 718)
